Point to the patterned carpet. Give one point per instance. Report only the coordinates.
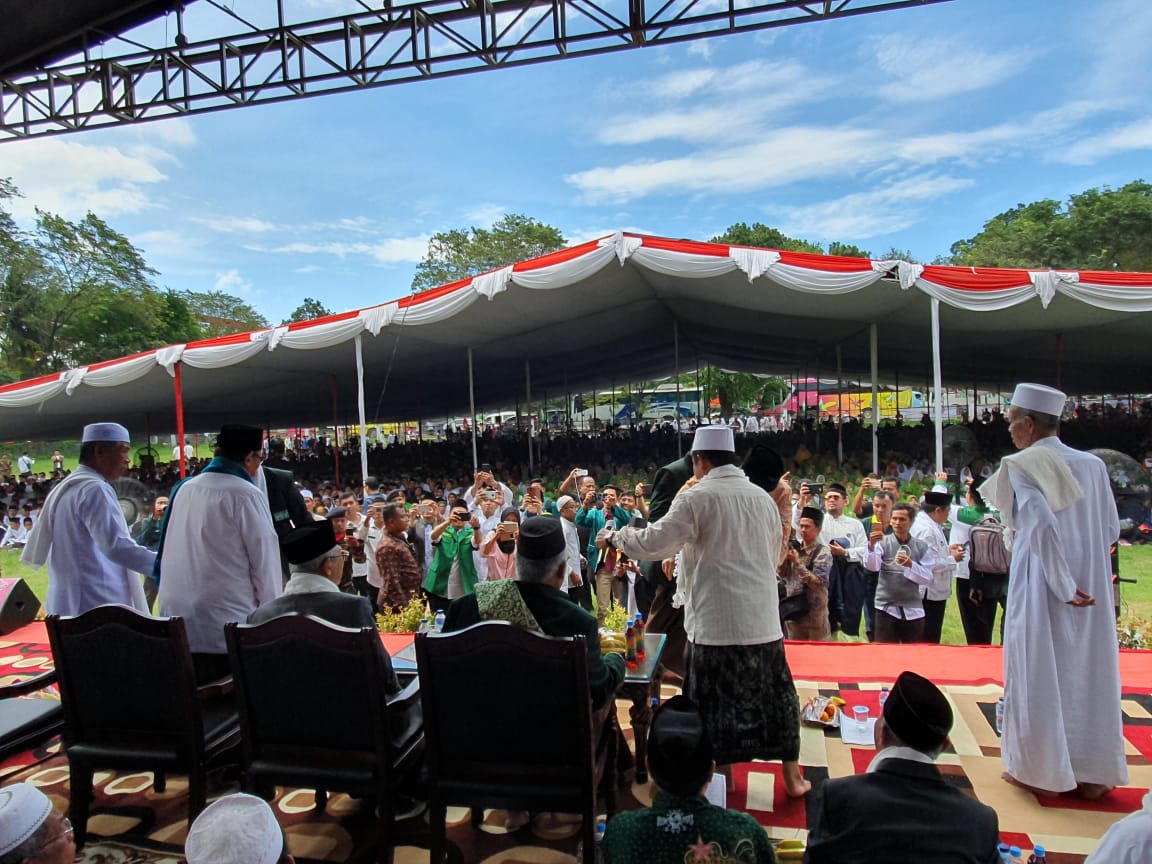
(132, 824)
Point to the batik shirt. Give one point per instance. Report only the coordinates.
(685, 830)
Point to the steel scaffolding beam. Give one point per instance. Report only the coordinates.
(400, 42)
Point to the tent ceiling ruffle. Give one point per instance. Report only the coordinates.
(602, 313)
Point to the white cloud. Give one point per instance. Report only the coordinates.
(779, 157)
(701, 48)
(392, 250)
(400, 249)
(1113, 39)
(232, 283)
(925, 70)
(1136, 135)
(235, 224)
(883, 210)
(309, 268)
(67, 177)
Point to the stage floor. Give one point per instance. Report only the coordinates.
(133, 818)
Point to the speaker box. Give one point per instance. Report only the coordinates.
(18, 605)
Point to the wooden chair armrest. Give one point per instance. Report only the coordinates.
(215, 689)
(31, 685)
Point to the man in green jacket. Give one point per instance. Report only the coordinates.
(452, 573)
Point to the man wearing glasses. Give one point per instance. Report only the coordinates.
(219, 557)
(31, 832)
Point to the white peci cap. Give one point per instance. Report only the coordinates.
(23, 809)
(1037, 397)
(235, 829)
(98, 433)
(714, 438)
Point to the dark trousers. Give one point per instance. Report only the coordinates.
(979, 619)
(360, 583)
(933, 620)
(890, 629)
(667, 619)
(871, 580)
(581, 595)
(844, 612)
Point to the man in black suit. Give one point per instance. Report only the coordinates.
(287, 505)
(654, 591)
(902, 808)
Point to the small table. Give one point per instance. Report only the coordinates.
(636, 687)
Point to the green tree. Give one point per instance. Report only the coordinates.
(757, 234)
(306, 311)
(739, 390)
(460, 253)
(848, 250)
(1098, 229)
(894, 254)
(221, 314)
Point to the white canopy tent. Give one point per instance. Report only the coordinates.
(625, 307)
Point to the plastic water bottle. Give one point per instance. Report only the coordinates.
(1038, 856)
(1003, 850)
(600, 829)
(1000, 716)
(883, 697)
(425, 626)
(1014, 854)
(439, 621)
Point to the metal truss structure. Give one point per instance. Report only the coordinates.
(402, 41)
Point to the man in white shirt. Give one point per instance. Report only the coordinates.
(567, 507)
(846, 540)
(905, 567)
(929, 527)
(728, 534)
(1063, 724)
(212, 583)
(82, 536)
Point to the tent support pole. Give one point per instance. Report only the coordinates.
(839, 408)
(363, 413)
(699, 410)
(676, 363)
(873, 350)
(1059, 359)
(936, 384)
(335, 433)
(528, 411)
(472, 409)
(180, 417)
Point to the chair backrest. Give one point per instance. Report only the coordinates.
(310, 690)
(505, 706)
(126, 679)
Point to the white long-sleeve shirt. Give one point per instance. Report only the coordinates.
(844, 526)
(729, 533)
(944, 565)
(221, 557)
(92, 560)
(571, 550)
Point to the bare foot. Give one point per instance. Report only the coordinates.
(799, 790)
(1039, 793)
(1093, 791)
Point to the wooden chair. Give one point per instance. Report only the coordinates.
(27, 723)
(131, 702)
(508, 721)
(314, 713)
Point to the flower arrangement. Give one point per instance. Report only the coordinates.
(406, 620)
(616, 619)
(1133, 631)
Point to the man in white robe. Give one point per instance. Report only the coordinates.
(82, 536)
(219, 554)
(1062, 725)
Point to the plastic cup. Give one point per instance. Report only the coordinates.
(860, 712)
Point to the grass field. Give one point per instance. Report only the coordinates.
(1135, 563)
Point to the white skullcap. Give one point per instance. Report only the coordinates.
(23, 809)
(1037, 397)
(235, 829)
(306, 493)
(564, 501)
(97, 433)
(714, 438)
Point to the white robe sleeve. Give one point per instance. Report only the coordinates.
(106, 524)
(1034, 518)
(263, 550)
(664, 537)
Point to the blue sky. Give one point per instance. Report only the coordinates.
(904, 129)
